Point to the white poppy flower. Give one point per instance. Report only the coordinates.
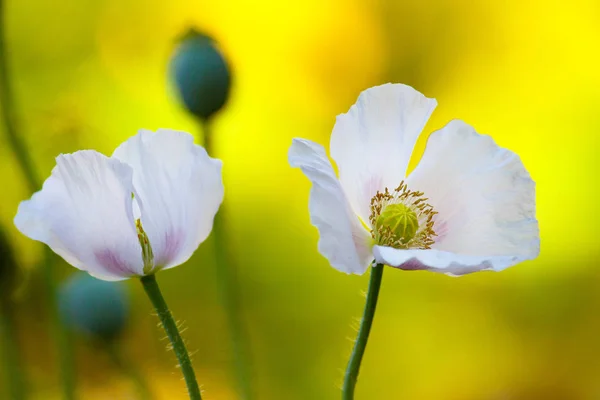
(146, 208)
(468, 206)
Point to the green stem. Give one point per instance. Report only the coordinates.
(363, 333)
(10, 117)
(18, 146)
(168, 323)
(62, 336)
(228, 287)
(129, 370)
(14, 371)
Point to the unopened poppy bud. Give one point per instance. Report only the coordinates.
(200, 74)
(95, 307)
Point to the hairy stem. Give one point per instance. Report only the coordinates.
(363, 333)
(170, 327)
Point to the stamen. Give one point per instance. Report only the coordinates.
(402, 219)
(147, 254)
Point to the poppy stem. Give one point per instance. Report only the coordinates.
(170, 327)
(228, 287)
(363, 333)
(62, 336)
(26, 165)
(128, 369)
(9, 113)
(8, 335)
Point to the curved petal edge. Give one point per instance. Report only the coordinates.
(342, 240)
(372, 143)
(442, 261)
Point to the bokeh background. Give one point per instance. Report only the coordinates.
(89, 73)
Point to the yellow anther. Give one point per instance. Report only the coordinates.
(402, 219)
(147, 254)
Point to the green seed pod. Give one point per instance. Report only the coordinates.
(400, 220)
(201, 75)
(97, 308)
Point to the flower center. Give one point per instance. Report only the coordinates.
(147, 254)
(402, 219)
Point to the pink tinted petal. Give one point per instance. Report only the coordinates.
(178, 189)
(84, 214)
(440, 261)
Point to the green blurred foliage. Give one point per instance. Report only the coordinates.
(88, 74)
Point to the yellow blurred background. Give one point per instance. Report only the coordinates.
(89, 73)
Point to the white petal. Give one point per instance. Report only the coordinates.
(84, 213)
(484, 196)
(373, 142)
(343, 241)
(440, 261)
(178, 188)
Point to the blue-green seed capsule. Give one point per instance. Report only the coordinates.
(94, 307)
(201, 75)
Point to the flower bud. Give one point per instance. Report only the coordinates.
(399, 221)
(97, 308)
(201, 75)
